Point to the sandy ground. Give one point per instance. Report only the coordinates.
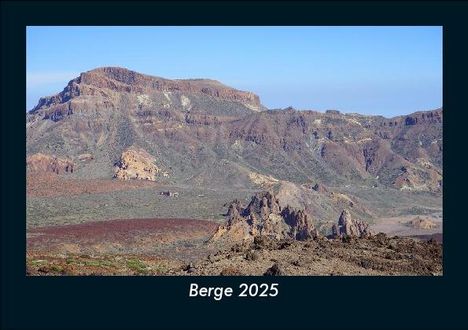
(396, 226)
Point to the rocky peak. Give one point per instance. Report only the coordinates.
(264, 204)
(347, 227)
(263, 216)
(416, 118)
(299, 224)
(119, 74)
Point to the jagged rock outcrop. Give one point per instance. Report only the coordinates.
(263, 216)
(136, 163)
(41, 163)
(420, 117)
(348, 227)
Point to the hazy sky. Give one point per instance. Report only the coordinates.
(370, 70)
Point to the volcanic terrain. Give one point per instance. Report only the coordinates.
(135, 174)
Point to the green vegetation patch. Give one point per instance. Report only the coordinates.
(137, 266)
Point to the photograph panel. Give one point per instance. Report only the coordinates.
(192, 151)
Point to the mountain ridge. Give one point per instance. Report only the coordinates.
(119, 74)
(124, 80)
(202, 132)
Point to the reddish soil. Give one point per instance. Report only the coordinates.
(175, 238)
(126, 227)
(52, 185)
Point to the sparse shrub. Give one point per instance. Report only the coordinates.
(230, 271)
(189, 268)
(92, 263)
(284, 244)
(274, 270)
(137, 266)
(263, 242)
(259, 242)
(366, 264)
(237, 248)
(56, 269)
(346, 239)
(251, 255)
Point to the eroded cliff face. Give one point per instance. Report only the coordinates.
(264, 216)
(40, 163)
(109, 81)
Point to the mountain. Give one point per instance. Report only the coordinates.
(107, 110)
(201, 131)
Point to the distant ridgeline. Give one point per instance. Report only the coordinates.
(116, 123)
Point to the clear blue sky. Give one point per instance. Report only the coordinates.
(370, 70)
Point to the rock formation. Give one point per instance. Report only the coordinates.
(41, 163)
(348, 227)
(136, 163)
(420, 223)
(263, 216)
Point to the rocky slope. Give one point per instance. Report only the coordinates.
(40, 163)
(375, 255)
